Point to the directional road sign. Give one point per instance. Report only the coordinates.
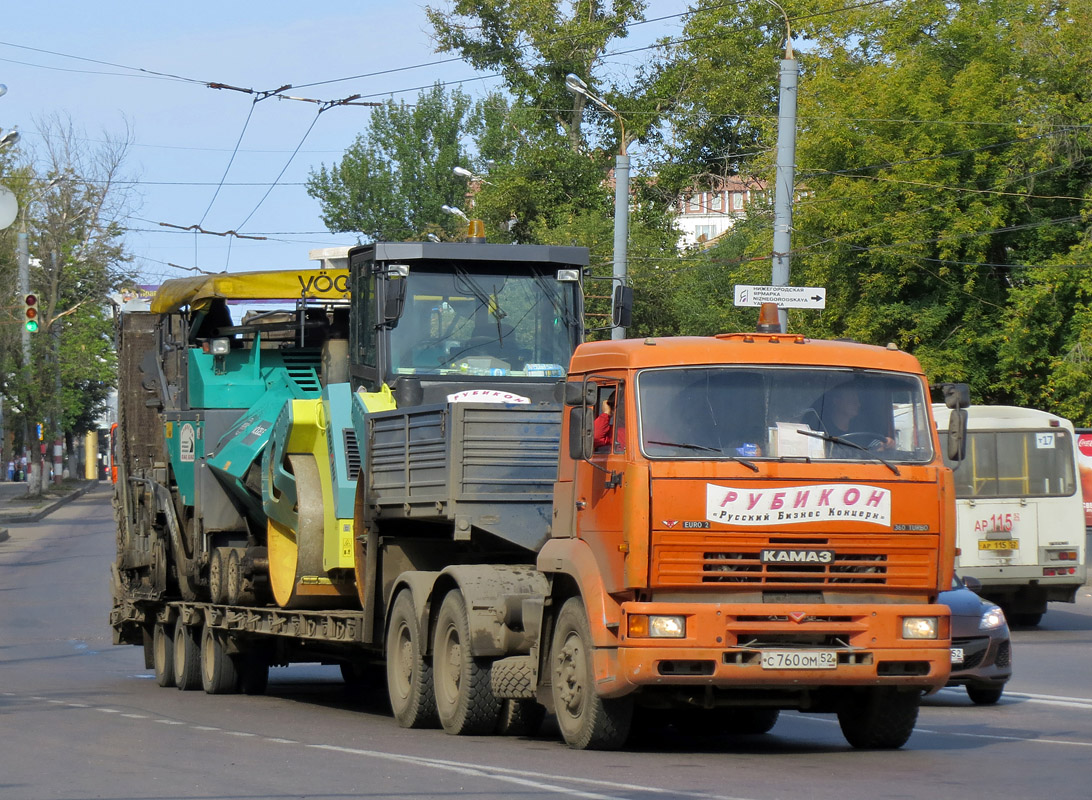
(784, 296)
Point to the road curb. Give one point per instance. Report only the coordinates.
(45, 511)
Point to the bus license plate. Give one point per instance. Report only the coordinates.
(799, 659)
(957, 655)
(998, 544)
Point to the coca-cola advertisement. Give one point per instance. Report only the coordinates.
(1084, 462)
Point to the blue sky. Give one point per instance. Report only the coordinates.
(183, 133)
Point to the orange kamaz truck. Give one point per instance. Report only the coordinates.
(761, 522)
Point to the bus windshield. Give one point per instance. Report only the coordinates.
(1016, 463)
(784, 412)
(488, 322)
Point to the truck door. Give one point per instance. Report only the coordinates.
(601, 521)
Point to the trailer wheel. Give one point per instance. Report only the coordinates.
(880, 719)
(409, 672)
(464, 688)
(218, 674)
(587, 721)
(187, 657)
(218, 575)
(163, 654)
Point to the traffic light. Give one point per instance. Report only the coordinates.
(30, 312)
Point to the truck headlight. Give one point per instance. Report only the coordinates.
(920, 627)
(993, 617)
(656, 626)
(220, 347)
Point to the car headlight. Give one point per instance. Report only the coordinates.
(992, 618)
(657, 626)
(919, 627)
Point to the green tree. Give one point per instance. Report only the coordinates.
(940, 155)
(77, 258)
(394, 179)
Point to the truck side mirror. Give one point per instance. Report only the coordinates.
(394, 296)
(622, 308)
(957, 435)
(581, 420)
(579, 393)
(956, 395)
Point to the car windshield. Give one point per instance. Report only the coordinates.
(486, 323)
(784, 412)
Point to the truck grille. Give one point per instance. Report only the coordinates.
(864, 561)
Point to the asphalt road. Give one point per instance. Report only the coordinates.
(80, 718)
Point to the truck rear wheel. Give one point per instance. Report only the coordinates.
(218, 674)
(587, 721)
(409, 673)
(187, 657)
(464, 689)
(880, 719)
(163, 654)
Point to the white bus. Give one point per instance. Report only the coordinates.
(1019, 510)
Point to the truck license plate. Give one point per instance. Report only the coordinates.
(957, 655)
(799, 659)
(998, 544)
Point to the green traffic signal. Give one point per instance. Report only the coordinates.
(30, 308)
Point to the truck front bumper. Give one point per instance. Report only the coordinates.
(723, 647)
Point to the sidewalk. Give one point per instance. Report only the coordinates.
(16, 506)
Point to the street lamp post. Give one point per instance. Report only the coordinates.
(621, 200)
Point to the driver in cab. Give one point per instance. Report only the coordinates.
(841, 415)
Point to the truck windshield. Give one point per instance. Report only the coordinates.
(487, 323)
(1011, 463)
(784, 412)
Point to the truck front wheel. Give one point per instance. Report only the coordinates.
(409, 673)
(587, 721)
(879, 719)
(464, 693)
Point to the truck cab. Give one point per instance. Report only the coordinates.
(765, 522)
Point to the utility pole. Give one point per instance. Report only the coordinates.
(621, 201)
(786, 172)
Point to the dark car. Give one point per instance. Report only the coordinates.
(981, 650)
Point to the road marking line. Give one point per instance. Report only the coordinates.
(238, 733)
(281, 741)
(205, 728)
(135, 716)
(108, 710)
(520, 777)
(169, 722)
(1050, 699)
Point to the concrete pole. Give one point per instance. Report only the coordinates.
(24, 284)
(785, 177)
(621, 232)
